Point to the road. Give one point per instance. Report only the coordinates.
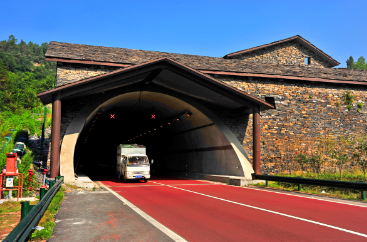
(207, 211)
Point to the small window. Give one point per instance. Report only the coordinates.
(308, 61)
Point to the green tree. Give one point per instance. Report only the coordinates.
(350, 63)
(361, 63)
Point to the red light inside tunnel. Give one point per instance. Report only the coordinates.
(152, 116)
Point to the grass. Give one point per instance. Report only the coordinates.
(71, 186)
(48, 219)
(9, 217)
(318, 190)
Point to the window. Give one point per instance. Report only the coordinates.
(308, 61)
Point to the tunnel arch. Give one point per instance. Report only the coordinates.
(202, 143)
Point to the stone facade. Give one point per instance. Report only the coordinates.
(303, 111)
(69, 73)
(287, 53)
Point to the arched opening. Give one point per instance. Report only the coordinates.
(179, 136)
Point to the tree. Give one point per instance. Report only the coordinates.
(361, 63)
(23, 48)
(350, 63)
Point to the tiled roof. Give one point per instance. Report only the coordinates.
(298, 38)
(80, 52)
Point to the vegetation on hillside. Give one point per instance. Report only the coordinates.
(24, 72)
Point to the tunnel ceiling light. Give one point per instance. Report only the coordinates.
(155, 129)
(169, 122)
(145, 133)
(178, 118)
(188, 113)
(161, 126)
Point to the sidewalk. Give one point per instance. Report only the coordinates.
(101, 216)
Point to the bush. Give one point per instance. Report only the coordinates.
(47, 219)
(348, 98)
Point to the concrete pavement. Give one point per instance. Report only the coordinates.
(101, 216)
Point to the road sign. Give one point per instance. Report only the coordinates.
(9, 182)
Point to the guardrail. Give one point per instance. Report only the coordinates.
(32, 214)
(362, 186)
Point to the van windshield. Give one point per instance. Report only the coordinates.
(137, 160)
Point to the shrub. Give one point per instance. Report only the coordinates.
(360, 105)
(348, 98)
(350, 107)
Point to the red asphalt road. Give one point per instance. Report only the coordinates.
(200, 218)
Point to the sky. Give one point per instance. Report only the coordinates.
(208, 28)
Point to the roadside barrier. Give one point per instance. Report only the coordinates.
(32, 214)
(362, 186)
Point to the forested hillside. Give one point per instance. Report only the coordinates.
(24, 73)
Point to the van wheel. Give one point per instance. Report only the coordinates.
(119, 176)
(145, 180)
(125, 180)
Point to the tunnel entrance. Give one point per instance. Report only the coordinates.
(91, 117)
(177, 135)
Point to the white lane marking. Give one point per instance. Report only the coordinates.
(270, 211)
(82, 222)
(151, 220)
(304, 196)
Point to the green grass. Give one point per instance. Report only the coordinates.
(318, 190)
(48, 218)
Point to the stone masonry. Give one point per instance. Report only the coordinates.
(288, 53)
(303, 111)
(69, 73)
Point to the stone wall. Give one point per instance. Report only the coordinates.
(303, 111)
(68, 73)
(288, 53)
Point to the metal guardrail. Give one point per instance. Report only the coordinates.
(362, 186)
(32, 217)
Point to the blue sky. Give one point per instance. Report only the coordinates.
(210, 28)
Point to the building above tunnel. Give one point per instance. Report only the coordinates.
(77, 62)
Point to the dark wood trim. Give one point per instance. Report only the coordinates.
(256, 140)
(312, 79)
(99, 63)
(180, 69)
(55, 137)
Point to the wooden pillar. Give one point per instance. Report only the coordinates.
(55, 135)
(256, 140)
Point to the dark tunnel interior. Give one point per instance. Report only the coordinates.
(177, 136)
